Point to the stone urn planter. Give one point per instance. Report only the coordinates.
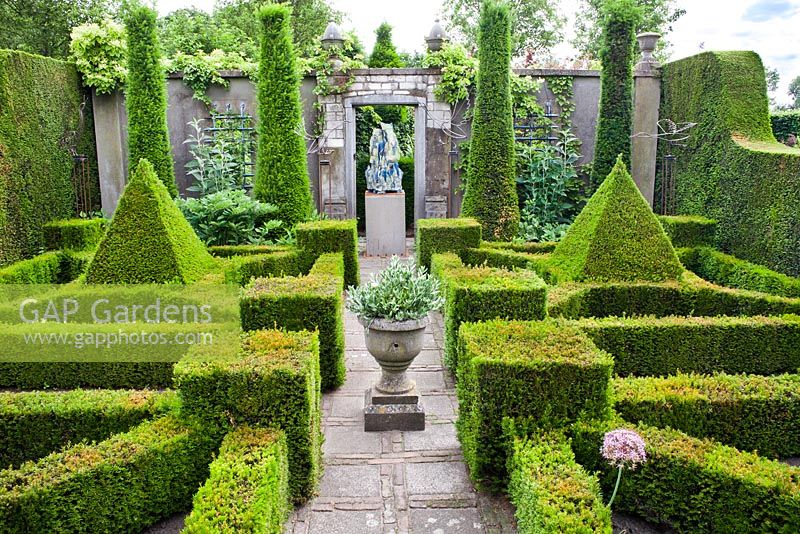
(394, 345)
(394, 308)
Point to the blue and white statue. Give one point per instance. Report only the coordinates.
(383, 174)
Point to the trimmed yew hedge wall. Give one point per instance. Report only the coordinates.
(445, 235)
(320, 237)
(689, 230)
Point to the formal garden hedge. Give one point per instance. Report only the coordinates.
(34, 424)
(74, 234)
(532, 370)
(785, 123)
(482, 293)
(124, 483)
(320, 237)
(689, 230)
(696, 485)
(271, 380)
(551, 492)
(49, 268)
(40, 103)
(726, 270)
(248, 486)
(752, 413)
(312, 302)
(240, 269)
(445, 235)
(731, 168)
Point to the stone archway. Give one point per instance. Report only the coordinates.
(419, 146)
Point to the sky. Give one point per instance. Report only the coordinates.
(770, 27)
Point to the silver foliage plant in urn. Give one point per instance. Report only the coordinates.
(394, 308)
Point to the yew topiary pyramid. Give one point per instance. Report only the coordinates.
(149, 240)
(616, 237)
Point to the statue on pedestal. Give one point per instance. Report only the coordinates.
(383, 173)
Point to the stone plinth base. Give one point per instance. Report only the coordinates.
(393, 412)
(386, 223)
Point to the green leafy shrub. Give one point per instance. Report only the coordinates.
(725, 270)
(231, 217)
(312, 302)
(785, 123)
(146, 97)
(616, 237)
(530, 247)
(689, 230)
(99, 52)
(482, 293)
(281, 173)
(74, 234)
(648, 346)
(401, 292)
(445, 235)
(271, 380)
(242, 268)
(615, 119)
(41, 108)
(227, 251)
(149, 240)
(751, 413)
(731, 169)
(34, 424)
(41, 269)
(201, 70)
(319, 237)
(529, 370)
(247, 489)
(551, 492)
(491, 195)
(497, 257)
(458, 70)
(696, 485)
(125, 483)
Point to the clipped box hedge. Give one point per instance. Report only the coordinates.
(122, 484)
(725, 270)
(498, 257)
(482, 293)
(649, 346)
(227, 251)
(445, 235)
(74, 234)
(272, 380)
(34, 424)
(312, 302)
(752, 413)
(551, 492)
(696, 485)
(528, 247)
(241, 269)
(55, 267)
(534, 370)
(67, 375)
(320, 237)
(248, 486)
(689, 230)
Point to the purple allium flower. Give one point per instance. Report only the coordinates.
(623, 448)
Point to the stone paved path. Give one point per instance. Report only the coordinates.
(395, 482)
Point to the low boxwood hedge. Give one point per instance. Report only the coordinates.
(241, 269)
(752, 413)
(248, 486)
(536, 370)
(226, 251)
(529, 247)
(55, 267)
(551, 492)
(312, 302)
(482, 293)
(271, 380)
(445, 235)
(498, 257)
(122, 484)
(34, 424)
(319, 237)
(725, 270)
(74, 234)
(67, 375)
(649, 346)
(689, 230)
(696, 485)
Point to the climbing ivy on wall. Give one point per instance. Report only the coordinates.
(146, 97)
(615, 120)
(561, 87)
(40, 105)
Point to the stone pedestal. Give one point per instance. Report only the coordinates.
(393, 412)
(386, 223)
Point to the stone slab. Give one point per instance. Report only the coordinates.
(375, 397)
(345, 522)
(383, 417)
(437, 478)
(351, 481)
(445, 520)
(386, 223)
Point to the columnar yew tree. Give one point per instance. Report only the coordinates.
(491, 195)
(384, 55)
(281, 173)
(146, 97)
(615, 119)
